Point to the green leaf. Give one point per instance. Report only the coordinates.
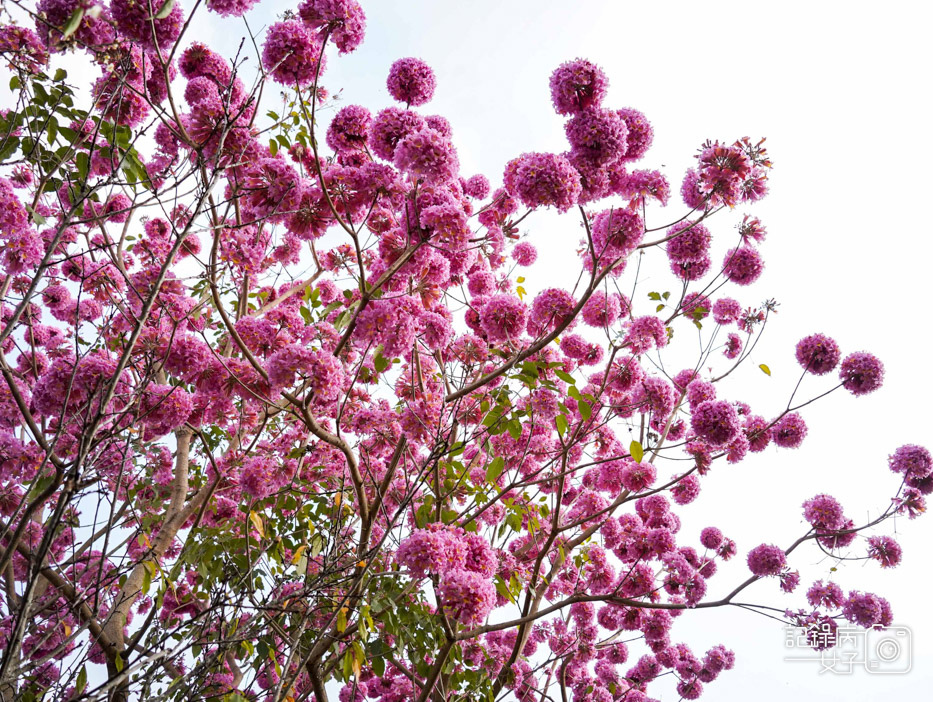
(118, 662)
(503, 589)
(317, 543)
(659, 308)
(514, 428)
(636, 451)
(81, 682)
(71, 26)
(41, 485)
(378, 664)
(654, 296)
(380, 362)
(495, 468)
(83, 163)
(165, 10)
(60, 75)
(561, 422)
(273, 147)
(15, 83)
(566, 377)
(765, 369)
(585, 410)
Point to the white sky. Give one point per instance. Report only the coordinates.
(838, 90)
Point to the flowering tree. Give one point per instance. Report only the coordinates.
(281, 422)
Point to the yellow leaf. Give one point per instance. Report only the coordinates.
(298, 553)
(357, 668)
(765, 369)
(636, 451)
(361, 564)
(257, 522)
(67, 630)
(342, 619)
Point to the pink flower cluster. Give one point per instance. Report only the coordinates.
(543, 180)
(411, 81)
(465, 563)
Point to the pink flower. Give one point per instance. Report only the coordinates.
(477, 186)
(437, 331)
(164, 408)
(696, 306)
(524, 253)
(733, 346)
(687, 489)
(866, 609)
(550, 309)
(136, 19)
(344, 20)
(640, 185)
(817, 354)
(911, 460)
(766, 560)
(726, 310)
(428, 155)
(829, 596)
(503, 317)
(645, 333)
(603, 309)
(711, 538)
(790, 431)
(349, 130)
(861, 373)
(411, 81)
(467, 596)
(543, 180)
(436, 549)
(22, 48)
(885, 550)
(743, 265)
(640, 133)
(722, 172)
(230, 8)
(576, 85)
(637, 477)
(597, 136)
(824, 512)
(617, 232)
(687, 242)
(389, 127)
(715, 421)
(292, 54)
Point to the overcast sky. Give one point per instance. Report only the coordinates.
(841, 91)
